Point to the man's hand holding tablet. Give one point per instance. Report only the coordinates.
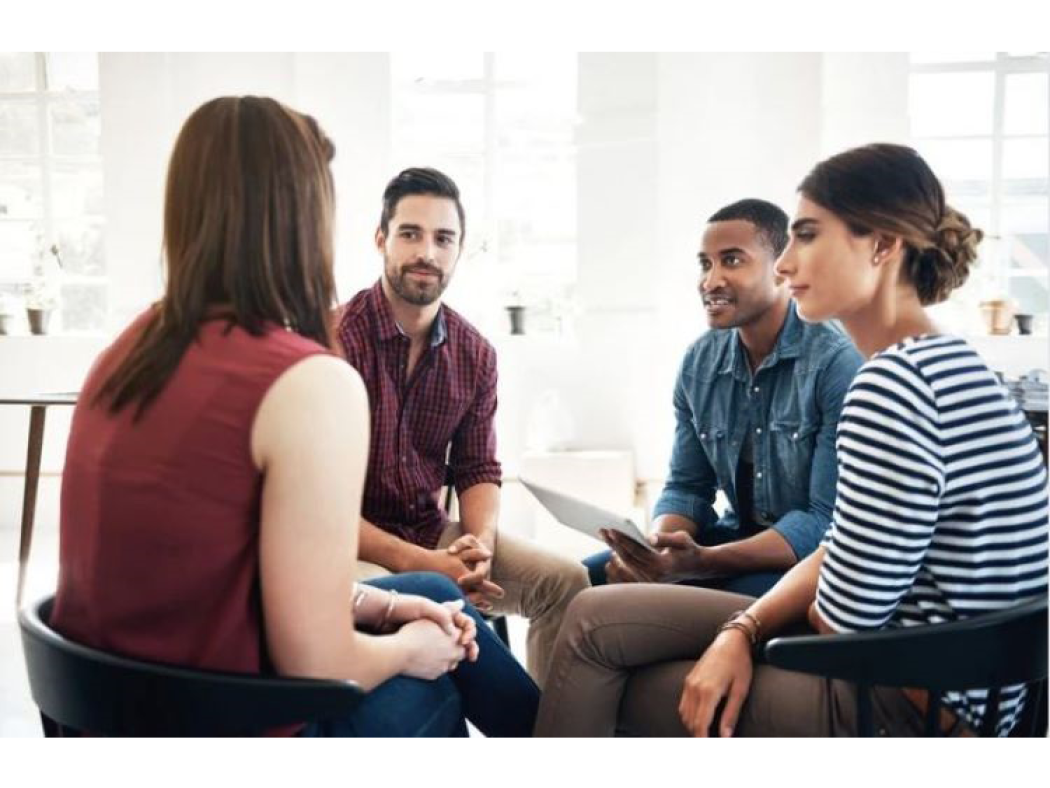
(669, 557)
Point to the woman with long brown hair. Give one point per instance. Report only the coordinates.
(213, 477)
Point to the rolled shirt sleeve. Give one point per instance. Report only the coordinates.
(473, 453)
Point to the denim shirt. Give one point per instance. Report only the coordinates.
(791, 405)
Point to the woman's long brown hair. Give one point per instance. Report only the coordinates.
(248, 215)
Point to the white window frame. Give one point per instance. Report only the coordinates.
(43, 97)
(1002, 66)
(487, 86)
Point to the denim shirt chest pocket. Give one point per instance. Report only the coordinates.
(715, 441)
(791, 446)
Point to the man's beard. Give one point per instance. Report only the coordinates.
(418, 292)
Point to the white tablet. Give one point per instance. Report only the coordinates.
(584, 517)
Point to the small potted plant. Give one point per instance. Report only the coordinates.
(43, 294)
(516, 311)
(9, 308)
(41, 300)
(998, 314)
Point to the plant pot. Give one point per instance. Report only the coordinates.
(7, 322)
(517, 319)
(1024, 324)
(38, 320)
(998, 316)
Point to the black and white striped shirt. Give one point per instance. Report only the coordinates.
(941, 506)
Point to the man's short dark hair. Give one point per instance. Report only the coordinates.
(420, 180)
(770, 221)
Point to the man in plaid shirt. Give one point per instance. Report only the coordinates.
(431, 380)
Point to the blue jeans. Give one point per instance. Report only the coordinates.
(494, 693)
(752, 584)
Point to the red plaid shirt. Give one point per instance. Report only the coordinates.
(449, 400)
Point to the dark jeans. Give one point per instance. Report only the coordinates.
(494, 693)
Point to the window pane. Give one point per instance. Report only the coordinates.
(17, 72)
(529, 84)
(1026, 167)
(77, 189)
(18, 244)
(1027, 100)
(83, 307)
(1026, 223)
(428, 67)
(1024, 215)
(1028, 253)
(19, 129)
(75, 127)
(964, 166)
(542, 101)
(81, 244)
(1030, 294)
(12, 309)
(951, 104)
(449, 122)
(537, 200)
(951, 57)
(72, 71)
(20, 190)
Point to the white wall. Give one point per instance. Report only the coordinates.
(864, 98)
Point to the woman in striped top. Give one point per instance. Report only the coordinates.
(941, 505)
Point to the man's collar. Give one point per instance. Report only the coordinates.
(788, 345)
(387, 326)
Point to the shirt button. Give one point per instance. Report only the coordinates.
(755, 389)
(758, 475)
(703, 434)
(794, 436)
(758, 430)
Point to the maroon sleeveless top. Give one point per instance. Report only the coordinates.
(159, 534)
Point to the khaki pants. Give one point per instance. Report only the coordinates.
(539, 585)
(624, 651)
